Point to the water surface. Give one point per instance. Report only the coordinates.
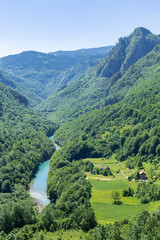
(39, 183)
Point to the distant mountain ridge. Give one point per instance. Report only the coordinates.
(84, 51)
(36, 75)
(100, 86)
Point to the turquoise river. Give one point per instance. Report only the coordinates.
(38, 185)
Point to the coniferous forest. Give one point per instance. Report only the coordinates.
(102, 106)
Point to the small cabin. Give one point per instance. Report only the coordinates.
(142, 175)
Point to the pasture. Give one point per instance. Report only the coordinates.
(103, 186)
(63, 235)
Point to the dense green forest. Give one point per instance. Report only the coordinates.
(130, 127)
(23, 146)
(36, 75)
(101, 85)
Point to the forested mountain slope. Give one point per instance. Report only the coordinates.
(130, 127)
(128, 51)
(23, 146)
(19, 124)
(100, 86)
(36, 75)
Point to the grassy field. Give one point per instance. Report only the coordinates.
(102, 189)
(62, 235)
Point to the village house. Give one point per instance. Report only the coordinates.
(142, 175)
(105, 167)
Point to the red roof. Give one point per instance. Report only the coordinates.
(105, 167)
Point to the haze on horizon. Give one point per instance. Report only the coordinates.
(53, 25)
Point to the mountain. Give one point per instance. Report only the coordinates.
(129, 128)
(101, 85)
(14, 111)
(128, 51)
(36, 75)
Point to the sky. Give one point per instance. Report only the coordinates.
(51, 25)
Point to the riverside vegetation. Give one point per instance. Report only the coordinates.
(122, 132)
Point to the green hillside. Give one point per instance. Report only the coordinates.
(100, 86)
(130, 127)
(23, 146)
(128, 51)
(19, 126)
(36, 75)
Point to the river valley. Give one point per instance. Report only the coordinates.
(38, 185)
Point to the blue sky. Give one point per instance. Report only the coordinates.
(50, 25)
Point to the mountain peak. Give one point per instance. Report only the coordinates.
(128, 51)
(141, 30)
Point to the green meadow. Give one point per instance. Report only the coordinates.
(102, 188)
(63, 235)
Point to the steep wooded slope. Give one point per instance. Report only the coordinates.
(23, 146)
(23, 141)
(100, 86)
(36, 75)
(128, 51)
(130, 127)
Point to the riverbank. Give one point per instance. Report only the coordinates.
(39, 205)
